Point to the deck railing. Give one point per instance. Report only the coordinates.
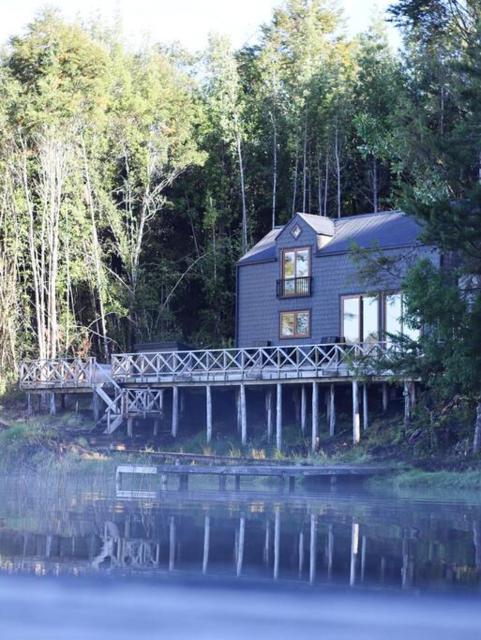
(263, 362)
(57, 373)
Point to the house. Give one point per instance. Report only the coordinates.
(300, 283)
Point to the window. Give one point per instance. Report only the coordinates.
(365, 318)
(295, 324)
(394, 321)
(360, 318)
(296, 269)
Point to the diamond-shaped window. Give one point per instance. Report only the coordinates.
(296, 231)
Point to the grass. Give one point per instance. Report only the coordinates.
(430, 480)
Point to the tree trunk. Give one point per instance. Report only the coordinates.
(304, 170)
(274, 169)
(294, 188)
(375, 187)
(243, 193)
(338, 170)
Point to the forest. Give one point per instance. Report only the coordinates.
(131, 181)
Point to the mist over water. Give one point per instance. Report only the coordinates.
(77, 562)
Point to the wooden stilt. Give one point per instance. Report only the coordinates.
(171, 543)
(238, 408)
(205, 558)
(63, 401)
(354, 552)
(279, 416)
(243, 406)
(175, 411)
(53, 405)
(330, 551)
(156, 427)
(268, 400)
(130, 427)
(277, 543)
(303, 410)
(267, 543)
(157, 421)
(301, 553)
(332, 410)
(96, 405)
(208, 404)
(240, 545)
(356, 427)
(385, 397)
(29, 405)
(313, 550)
(315, 415)
(365, 408)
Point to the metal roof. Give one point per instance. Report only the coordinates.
(386, 229)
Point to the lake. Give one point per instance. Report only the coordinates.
(78, 562)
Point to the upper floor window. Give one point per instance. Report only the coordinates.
(296, 272)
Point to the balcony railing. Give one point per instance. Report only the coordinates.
(294, 287)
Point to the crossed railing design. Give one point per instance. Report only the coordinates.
(292, 360)
(57, 373)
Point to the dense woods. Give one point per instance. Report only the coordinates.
(132, 181)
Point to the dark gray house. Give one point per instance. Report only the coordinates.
(300, 284)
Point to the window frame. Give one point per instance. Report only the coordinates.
(295, 336)
(296, 250)
(380, 314)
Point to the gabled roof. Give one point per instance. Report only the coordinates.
(386, 229)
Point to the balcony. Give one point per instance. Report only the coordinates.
(294, 287)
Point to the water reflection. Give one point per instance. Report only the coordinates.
(341, 539)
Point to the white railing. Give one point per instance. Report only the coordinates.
(262, 362)
(44, 374)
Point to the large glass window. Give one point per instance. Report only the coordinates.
(360, 318)
(295, 324)
(296, 269)
(395, 324)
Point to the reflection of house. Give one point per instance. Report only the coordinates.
(300, 284)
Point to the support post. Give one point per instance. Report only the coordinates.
(29, 405)
(269, 414)
(301, 554)
(354, 552)
(240, 546)
(130, 427)
(53, 405)
(158, 420)
(279, 416)
(238, 409)
(303, 409)
(205, 558)
(313, 550)
(356, 427)
(96, 405)
(171, 543)
(277, 543)
(267, 543)
(243, 407)
(315, 415)
(365, 408)
(330, 551)
(208, 410)
(385, 397)
(63, 401)
(332, 410)
(175, 411)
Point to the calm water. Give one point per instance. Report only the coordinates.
(77, 562)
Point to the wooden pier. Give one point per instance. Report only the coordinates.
(134, 385)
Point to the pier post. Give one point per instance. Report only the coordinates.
(238, 409)
(356, 427)
(277, 543)
(385, 397)
(330, 551)
(130, 427)
(240, 546)
(205, 557)
(53, 405)
(208, 410)
(171, 543)
(279, 416)
(29, 405)
(354, 552)
(315, 415)
(313, 550)
(365, 408)
(63, 401)
(243, 407)
(175, 411)
(332, 410)
(301, 554)
(158, 420)
(269, 414)
(267, 543)
(303, 409)
(96, 405)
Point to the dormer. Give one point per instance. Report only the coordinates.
(306, 229)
